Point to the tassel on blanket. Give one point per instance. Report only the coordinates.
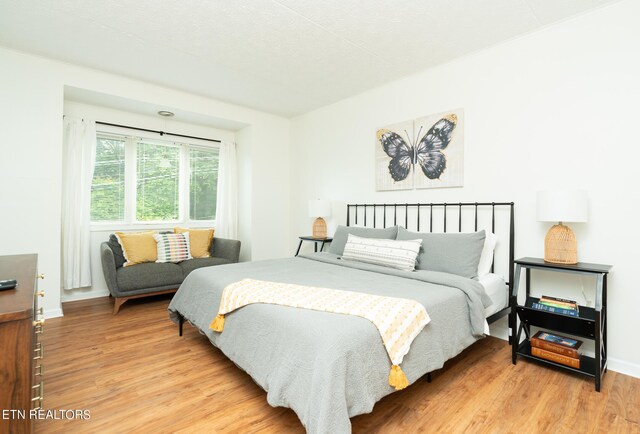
(217, 325)
(397, 378)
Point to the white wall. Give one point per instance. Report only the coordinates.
(30, 170)
(245, 186)
(558, 107)
(31, 109)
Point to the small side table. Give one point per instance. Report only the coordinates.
(591, 322)
(322, 242)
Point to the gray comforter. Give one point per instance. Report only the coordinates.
(329, 367)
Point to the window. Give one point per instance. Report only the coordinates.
(107, 189)
(157, 182)
(203, 183)
(149, 181)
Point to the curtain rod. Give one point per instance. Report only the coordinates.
(162, 133)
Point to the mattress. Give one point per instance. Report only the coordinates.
(496, 288)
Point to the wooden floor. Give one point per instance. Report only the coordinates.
(135, 374)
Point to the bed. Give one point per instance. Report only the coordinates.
(329, 367)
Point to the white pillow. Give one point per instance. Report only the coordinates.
(173, 247)
(397, 254)
(486, 256)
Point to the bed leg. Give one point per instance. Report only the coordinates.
(180, 323)
(428, 377)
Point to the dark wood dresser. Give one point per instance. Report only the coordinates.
(21, 324)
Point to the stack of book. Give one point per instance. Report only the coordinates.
(559, 349)
(557, 305)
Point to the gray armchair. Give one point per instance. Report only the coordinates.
(143, 280)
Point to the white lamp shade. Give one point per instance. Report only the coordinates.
(319, 208)
(562, 206)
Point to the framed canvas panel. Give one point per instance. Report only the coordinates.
(394, 155)
(440, 150)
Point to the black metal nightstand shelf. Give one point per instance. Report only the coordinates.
(315, 241)
(589, 324)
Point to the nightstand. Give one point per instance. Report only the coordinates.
(591, 323)
(322, 242)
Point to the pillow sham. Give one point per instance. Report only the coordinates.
(400, 255)
(173, 247)
(342, 232)
(486, 257)
(199, 240)
(454, 253)
(137, 247)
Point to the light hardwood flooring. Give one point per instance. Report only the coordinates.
(135, 374)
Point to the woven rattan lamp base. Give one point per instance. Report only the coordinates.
(560, 245)
(319, 228)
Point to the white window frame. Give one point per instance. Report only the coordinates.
(130, 179)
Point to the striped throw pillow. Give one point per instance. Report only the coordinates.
(389, 253)
(173, 247)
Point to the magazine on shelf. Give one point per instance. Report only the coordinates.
(553, 309)
(557, 344)
(560, 303)
(555, 357)
(561, 300)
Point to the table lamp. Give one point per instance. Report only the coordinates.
(560, 244)
(319, 208)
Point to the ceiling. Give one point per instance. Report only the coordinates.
(282, 56)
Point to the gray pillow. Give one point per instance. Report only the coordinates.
(454, 253)
(342, 232)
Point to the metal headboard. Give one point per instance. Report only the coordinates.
(424, 215)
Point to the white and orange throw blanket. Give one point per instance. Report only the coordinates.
(398, 320)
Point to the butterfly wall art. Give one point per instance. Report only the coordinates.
(427, 152)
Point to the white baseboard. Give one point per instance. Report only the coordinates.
(627, 368)
(84, 295)
(52, 313)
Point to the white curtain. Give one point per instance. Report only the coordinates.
(78, 161)
(227, 202)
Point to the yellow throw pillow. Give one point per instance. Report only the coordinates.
(138, 247)
(199, 241)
